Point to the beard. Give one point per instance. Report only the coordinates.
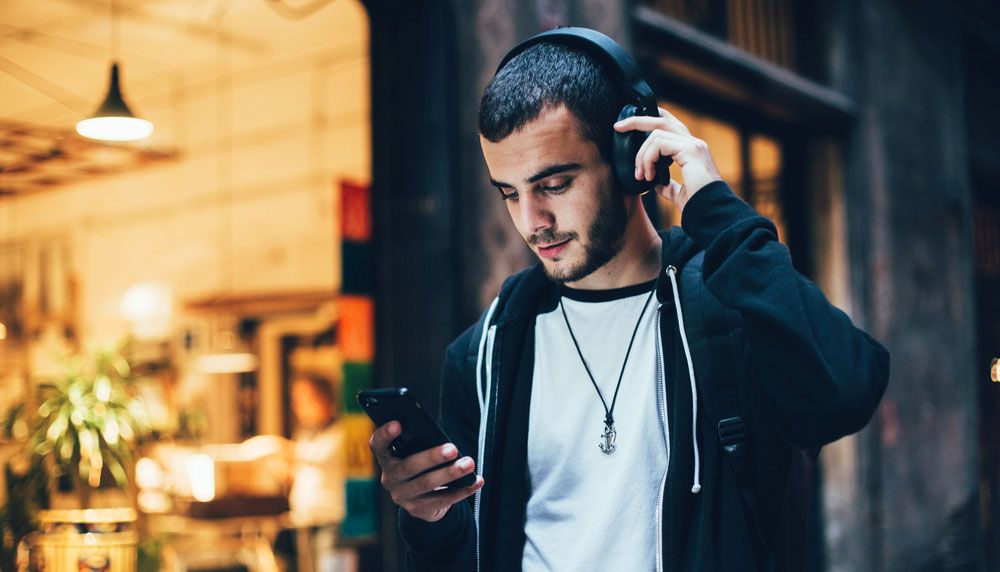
(604, 239)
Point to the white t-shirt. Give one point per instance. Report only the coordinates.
(589, 510)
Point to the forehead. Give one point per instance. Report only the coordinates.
(553, 137)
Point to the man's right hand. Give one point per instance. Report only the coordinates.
(419, 495)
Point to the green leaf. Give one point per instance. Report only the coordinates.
(118, 472)
(102, 388)
(110, 431)
(57, 428)
(66, 449)
(88, 444)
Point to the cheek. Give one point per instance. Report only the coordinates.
(582, 213)
(513, 209)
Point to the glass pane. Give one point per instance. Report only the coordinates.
(765, 170)
(724, 141)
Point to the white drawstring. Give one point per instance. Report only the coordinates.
(696, 486)
(485, 355)
(479, 360)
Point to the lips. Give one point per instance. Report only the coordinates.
(552, 250)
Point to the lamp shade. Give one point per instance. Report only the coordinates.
(113, 120)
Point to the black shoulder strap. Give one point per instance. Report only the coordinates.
(716, 346)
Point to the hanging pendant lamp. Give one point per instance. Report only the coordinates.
(113, 120)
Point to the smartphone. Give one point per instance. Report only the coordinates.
(420, 430)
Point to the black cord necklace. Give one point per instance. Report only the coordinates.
(608, 437)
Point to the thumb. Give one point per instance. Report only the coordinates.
(670, 191)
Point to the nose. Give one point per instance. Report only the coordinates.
(535, 214)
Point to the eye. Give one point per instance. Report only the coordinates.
(507, 194)
(557, 188)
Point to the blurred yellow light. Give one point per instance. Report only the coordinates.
(995, 370)
(3, 331)
(115, 128)
(152, 501)
(148, 306)
(201, 475)
(148, 474)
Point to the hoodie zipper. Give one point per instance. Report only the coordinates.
(661, 398)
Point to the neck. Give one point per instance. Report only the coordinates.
(638, 261)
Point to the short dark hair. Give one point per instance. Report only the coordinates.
(547, 75)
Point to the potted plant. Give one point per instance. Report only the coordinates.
(84, 433)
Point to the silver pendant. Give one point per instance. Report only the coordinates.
(607, 445)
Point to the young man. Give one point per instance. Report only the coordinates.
(578, 390)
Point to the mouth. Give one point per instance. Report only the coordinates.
(552, 250)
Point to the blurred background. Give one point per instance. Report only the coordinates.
(302, 211)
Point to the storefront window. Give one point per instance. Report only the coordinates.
(750, 162)
(765, 28)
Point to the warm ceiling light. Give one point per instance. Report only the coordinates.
(113, 120)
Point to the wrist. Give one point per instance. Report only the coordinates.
(691, 188)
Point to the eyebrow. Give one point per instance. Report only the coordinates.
(546, 172)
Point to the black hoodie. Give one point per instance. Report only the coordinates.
(808, 377)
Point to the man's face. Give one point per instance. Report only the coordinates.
(559, 194)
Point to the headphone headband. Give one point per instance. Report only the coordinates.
(601, 47)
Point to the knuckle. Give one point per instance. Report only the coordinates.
(428, 482)
(406, 465)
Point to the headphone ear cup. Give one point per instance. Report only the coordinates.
(626, 145)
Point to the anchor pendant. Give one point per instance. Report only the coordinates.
(607, 445)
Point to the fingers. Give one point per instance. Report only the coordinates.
(431, 481)
(380, 440)
(673, 121)
(434, 505)
(671, 192)
(419, 493)
(665, 121)
(423, 497)
(420, 462)
(658, 143)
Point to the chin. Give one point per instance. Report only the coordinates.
(562, 270)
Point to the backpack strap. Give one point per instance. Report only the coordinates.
(717, 344)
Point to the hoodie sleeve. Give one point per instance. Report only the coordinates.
(822, 377)
(448, 544)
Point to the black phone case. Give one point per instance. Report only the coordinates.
(420, 430)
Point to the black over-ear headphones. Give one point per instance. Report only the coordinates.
(614, 58)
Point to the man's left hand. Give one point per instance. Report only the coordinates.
(669, 137)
